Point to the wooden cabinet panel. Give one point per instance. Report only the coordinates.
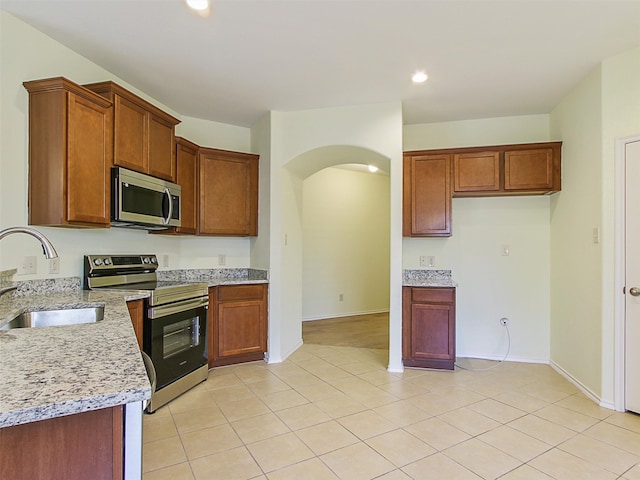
(228, 193)
(428, 327)
(162, 162)
(241, 292)
(136, 312)
(129, 142)
(143, 134)
(237, 324)
(70, 154)
(240, 329)
(529, 170)
(430, 336)
(187, 177)
(427, 196)
(475, 172)
(73, 447)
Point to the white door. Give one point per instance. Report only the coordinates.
(632, 274)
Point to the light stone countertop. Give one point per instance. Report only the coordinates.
(428, 278)
(53, 371)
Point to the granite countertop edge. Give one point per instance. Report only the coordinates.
(428, 278)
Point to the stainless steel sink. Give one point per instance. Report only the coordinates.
(53, 318)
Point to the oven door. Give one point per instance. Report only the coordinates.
(175, 337)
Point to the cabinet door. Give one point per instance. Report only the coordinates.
(430, 331)
(228, 191)
(427, 196)
(476, 172)
(186, 177)
(88, 162)
(529, 169)
(162, 161)
(241, 328)
(130, 141)
(72, 447)
(237, 324)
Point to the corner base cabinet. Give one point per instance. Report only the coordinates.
(429, 327)
(237, 324)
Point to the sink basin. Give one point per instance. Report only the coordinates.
(53, 318)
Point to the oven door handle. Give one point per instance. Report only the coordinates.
(177, 307)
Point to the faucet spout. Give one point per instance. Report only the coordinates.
(47, 247)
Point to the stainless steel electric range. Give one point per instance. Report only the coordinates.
(175, 320)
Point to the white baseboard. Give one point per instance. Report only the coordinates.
(347, 314)
(583, 388)
(510, 358)
(285, 355)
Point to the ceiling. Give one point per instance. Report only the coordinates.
(484, 58)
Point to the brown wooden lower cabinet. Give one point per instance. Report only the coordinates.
(237, 324)
(136, 312)
(429, 327)
(83, 446)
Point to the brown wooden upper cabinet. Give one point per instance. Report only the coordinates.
(426, 195)
(525, 169)
(228, 193)
(143, 135)
(502, 170)
(70, 154)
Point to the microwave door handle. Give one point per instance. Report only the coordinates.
(170, 214)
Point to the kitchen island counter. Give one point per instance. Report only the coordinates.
(49, 372)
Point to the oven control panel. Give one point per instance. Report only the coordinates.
(103, 263)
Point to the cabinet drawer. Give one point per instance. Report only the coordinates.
(228, 293)
(432, 295)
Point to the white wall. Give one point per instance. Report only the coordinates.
(295, 136)
(27, 54)
(603, 107)
(491, 286)
(620, 118)
(576, 262)
(345, 243)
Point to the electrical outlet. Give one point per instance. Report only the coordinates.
(165, 260)
(28, 266)
(341, 297)
(54, 265)
(423, 260)
(504, 321)
(222, 259)
(431, 261)
(505, 250)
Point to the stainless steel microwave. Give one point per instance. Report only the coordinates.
(142, 201)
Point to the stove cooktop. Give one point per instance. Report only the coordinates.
(137, 272)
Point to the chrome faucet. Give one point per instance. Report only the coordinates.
(47, 247)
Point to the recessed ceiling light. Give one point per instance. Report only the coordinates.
(419, 77)
(373, 168)
(199, 5)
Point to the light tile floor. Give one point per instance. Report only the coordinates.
(332, 412)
